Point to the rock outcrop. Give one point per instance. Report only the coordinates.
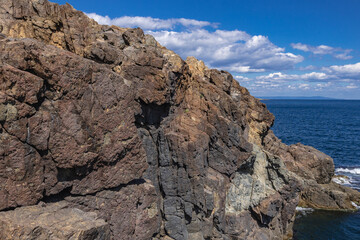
(52, 221)
(314, 171)
(106, 120)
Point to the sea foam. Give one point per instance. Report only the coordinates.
(347, 170)
(355, 205)
(304, 211)
(342, 180)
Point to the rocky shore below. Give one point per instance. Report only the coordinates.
(106, 134)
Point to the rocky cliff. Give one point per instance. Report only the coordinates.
(118, 137)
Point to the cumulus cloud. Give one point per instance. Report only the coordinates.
(352, 86)
(349, 72)
(345, 71)
(333, 78)
(241, 78)
(149, 23)
(338, 53)
(313, 76)
(304, 86)
(235, 51)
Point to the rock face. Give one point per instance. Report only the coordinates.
(52, 221)
(106, 120)
(314, 171)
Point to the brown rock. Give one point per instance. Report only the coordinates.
(52, 221)
(315, 171)
(132, 211)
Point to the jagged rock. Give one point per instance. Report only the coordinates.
(305, 161)
(52, 221)
(315, 171)
(111, 122)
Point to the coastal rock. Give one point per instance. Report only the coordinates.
(52, 221)
(132, 211)
(305, 161)
(108, 121)
(314, 171)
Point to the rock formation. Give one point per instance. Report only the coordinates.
(103, 125)
(314, 171)
(52, 221)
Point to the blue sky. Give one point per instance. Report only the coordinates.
(274, 48)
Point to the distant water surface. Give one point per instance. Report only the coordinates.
(333, 127)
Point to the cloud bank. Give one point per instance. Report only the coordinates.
(149, 23)
(338, 53)
(235, 51)
(334, 78)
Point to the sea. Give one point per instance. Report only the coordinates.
(333, 127)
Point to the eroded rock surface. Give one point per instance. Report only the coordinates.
(52, 221)
(314, 171)
(110, 122)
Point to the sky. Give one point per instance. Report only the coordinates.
(273, 48)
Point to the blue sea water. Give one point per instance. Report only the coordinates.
(333, 127)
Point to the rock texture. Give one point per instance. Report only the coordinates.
(315, 171)
(110, 122)
(52, 221)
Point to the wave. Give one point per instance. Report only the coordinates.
(355, 205)
(304, 211)
(349, 170)
(342, 180)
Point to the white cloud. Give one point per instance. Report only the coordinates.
(241, 78)
(336, 79)
(149, 23)
(235, 51)
(349, 72)
(338, 53)
(345, 71)
(344, 56)
(100, 19)
(281, 77)
(314, 76)
(300, 46)
(351, 86)
(323, 85)
(307, 68)
(237, 67)
(304, 86)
